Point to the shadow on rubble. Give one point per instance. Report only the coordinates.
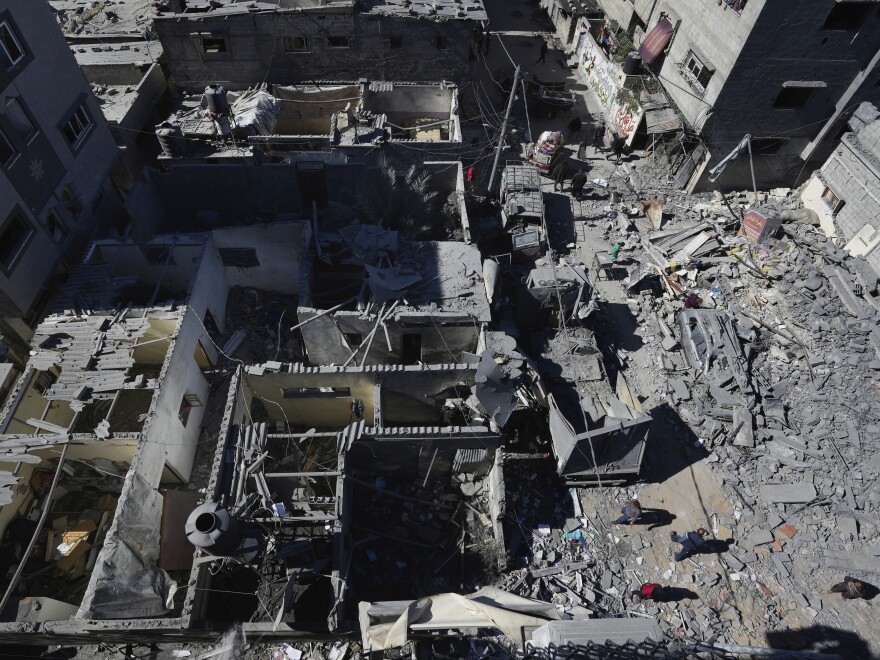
(28, 651)
(821, 639)
(560, 222)
(672, 446)
(619, 327)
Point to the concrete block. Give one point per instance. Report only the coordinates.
(743, 420)
(760, 537)
(788, 493)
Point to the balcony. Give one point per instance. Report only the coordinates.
(736, 5)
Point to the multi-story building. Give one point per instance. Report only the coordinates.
(241, 44)
(788, 74)
(56, 154)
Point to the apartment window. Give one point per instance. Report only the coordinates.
(296, 45)
(7, 151)
(442, 42)
(213, 45)
(697, 72)
(768, 146)
(14, 237)
(55, 226)
(18, 119)
(239, 257)
(338, 42)
(395, 41)
(847, 15)
(793, 97)
(78, 126)
(11, 52)
(832, 200)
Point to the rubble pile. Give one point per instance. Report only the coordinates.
(769, 354)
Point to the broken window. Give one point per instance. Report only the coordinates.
(353, 339)
(832, 200)
(19, 120)
(847, 15)
(296, 44)
(43, 381)
(213, 45)
(411, 348)
(70, 200)
(11, 52)
(315, 392)
(768, 146)
(696, 71)
(14, 236)
(793, 97)
(7, 151)
(77, 126)
(239, 257)
(395, 41)
(55, 226)
(442, 42)
(157, 254)
(187, 403)
(338, 42)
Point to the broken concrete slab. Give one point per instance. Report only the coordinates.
(788, 493)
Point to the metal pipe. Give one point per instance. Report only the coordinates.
(326, 311)
(27, 553)
(516, 75)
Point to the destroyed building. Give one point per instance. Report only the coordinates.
(845, 192)
(729, 72)
(277, 123)
(396, 302)
(56, 156)
(236, 43)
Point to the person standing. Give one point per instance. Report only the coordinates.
(558, 175)
(471, 175)
(578, 181)
(582, 149)
(691, 543)
(631, 510)
(574, 128)
(599, 137)
(543, 58)
(487, 38)
(849, 589)
(617, 146)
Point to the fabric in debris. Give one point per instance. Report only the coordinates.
(126, 582)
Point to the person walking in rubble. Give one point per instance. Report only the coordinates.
(582, 150)
(617, 146)
(543, 58)
(631, 512)
(691, 543)
(574, 128)
(599, 137)
(578, 181)
(849, 589)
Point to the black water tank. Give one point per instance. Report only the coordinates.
(213, 529)
(633, 63)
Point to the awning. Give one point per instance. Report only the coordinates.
(656, 41)
(659, 115)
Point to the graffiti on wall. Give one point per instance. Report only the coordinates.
(605, 78)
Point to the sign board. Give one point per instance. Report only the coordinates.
(759, 225)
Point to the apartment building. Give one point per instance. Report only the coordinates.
(56, 154)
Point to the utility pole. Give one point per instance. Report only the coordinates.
(501, 137)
